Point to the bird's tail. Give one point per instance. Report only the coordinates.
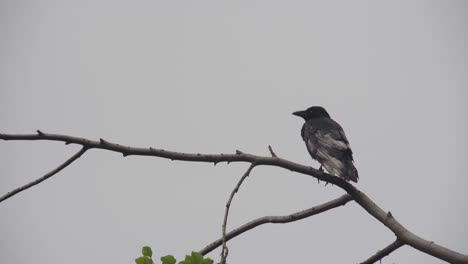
(351, 173)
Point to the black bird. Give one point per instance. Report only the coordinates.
(327, 143)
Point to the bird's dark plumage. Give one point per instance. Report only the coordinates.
(327, 143)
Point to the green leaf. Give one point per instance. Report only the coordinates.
(187, 260)
(147, 252)
(168, 259)
(143, 260)
(140, 260)
(197, 258)
(207, 261)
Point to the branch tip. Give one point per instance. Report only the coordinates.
(46, 176)
(273, 154)
(384, 252)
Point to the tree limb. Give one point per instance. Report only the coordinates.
(361, 198)
(45, 177)
(384, 252)
(224, 251)
(278, 220)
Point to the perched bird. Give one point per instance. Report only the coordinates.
(327, 143)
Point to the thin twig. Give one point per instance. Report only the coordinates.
(46, 176)
(224, 251)
(273, 154)
(403, 234)
(278, 220)
(384, 252)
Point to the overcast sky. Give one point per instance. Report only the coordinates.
(216, 76)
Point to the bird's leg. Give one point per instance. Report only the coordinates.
(320, 169)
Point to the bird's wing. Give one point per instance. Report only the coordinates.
(329, 141)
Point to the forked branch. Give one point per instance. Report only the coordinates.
(283, 219)
(224, 251)
(402, 234)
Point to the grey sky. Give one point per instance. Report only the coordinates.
(215, 76)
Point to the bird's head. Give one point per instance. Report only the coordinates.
(312, 112)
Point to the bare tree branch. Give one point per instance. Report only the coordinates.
(278, 220)
(384, 252)
(403, 234)
(46, 176)
(224, 251)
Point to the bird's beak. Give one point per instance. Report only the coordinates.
(299, 113)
